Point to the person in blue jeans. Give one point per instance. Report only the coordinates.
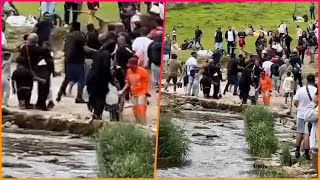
(47, 7)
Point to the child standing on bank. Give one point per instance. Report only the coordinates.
(288, 86)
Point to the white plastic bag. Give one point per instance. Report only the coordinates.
(21, 21)
(204, 53)
(112, 96)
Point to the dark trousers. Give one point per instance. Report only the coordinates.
(301, 54)
(244, 95)
(230, 47)
(206, 92)
(68, 6)
(299, 78)
(24, 94)
(97, 104)
(312, 16)
(216, 88)
(43, 92)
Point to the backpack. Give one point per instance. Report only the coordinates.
(275, 70)
(296, 69)
(155, 52)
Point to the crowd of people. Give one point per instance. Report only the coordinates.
(276, 68)
(116, 65)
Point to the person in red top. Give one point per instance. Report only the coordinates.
(92, 7)
(137, 79)
(265, 87)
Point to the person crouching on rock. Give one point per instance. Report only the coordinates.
(138, 81)
(22, 84)
(205, 84)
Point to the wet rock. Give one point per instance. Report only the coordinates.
(210, 136)
(7, 176)
(197, 134)
(15, 165)
(187, 106)
(220, 124)
(7, 124)
(53, 161)
(201, 127)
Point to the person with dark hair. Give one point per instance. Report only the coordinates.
(174, 65)
(233, 68)
(261, 44)
(312, 10)
(245, 83)
(302, 99)
(231, 37)
(138, 81)
(197, 36)
(75, 59)
(140, 46)
(43, 29)
(190, 65)
(302, 45)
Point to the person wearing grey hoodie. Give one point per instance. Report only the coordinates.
(312, 117)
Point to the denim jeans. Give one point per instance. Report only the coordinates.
(190, 87)
(218, 45)
(5, 90)
(87, 67)
(48, 7)
(155, 70)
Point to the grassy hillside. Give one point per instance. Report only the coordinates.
(108, 10)
(210, 16)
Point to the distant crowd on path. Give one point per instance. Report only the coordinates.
(122, 63)
(277, 67)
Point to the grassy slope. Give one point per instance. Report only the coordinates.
(108, 10)
(212, 15)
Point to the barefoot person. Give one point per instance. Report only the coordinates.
(138, 81)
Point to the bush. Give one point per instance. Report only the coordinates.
(259, 131)
(258, 113)
(173, 143)
(268, 173)
(286, 156)
(124, 151)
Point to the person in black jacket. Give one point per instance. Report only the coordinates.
(218, 38)
(244, 84)
(286, 42)
(231, 37)
(154, 54)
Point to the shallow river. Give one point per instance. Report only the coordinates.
(224, 156)
(34, 153)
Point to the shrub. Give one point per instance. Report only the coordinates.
(124, 151)
(268, 173)
(255, 114)
(259, 131)
(286, 156)
(173, 143)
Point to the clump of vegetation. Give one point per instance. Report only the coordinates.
(286, 156)
(259, 131)
(173, 143)
(124, 151)
(269, 173)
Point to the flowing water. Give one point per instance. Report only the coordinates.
(222, 154)
(44, 154)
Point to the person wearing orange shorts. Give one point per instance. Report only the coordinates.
(137, 78)
(265, 87)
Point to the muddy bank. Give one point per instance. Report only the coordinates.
(44, 154)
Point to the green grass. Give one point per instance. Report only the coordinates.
(210, 16)
(269, 173)
(108, 11)
(124, 151)
(173, 142)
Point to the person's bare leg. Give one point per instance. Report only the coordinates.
(299, 138)
(306, 146)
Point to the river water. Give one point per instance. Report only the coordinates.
(44, 154)
(224, 156)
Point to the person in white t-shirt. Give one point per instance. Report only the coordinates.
(267, 67)
(231, 37)
(282, 28)
(302, 99)
(141, 44)
(5, 75)
(191, 64)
